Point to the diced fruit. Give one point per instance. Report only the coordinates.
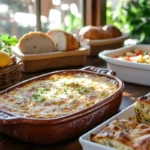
(140, 58)
(137, 50)
(127, 58)
(129, 53)
(146, 56)
(4, 59)
(148, 61)
(136, 55)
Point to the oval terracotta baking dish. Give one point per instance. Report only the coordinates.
(48, 131)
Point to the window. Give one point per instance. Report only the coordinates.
(62, 14)
(17, 17)
(22, 16)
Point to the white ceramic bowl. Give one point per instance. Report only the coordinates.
(132, 72)
(85, 139)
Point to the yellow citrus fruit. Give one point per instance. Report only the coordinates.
(4, 59)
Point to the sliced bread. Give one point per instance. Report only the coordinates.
(36, 43)
(64, 41)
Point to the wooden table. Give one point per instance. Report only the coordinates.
(131, 91)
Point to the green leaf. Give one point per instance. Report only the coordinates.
(132, 16)
(8, 40)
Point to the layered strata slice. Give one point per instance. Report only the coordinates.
(123, 134)
(142, 109)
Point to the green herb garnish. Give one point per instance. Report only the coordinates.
(122, 126)
(36, 96)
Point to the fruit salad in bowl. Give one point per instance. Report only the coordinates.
(131, 63)
(136, 55)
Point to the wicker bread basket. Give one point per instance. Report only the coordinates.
(10, 74)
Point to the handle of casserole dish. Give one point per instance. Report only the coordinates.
(99, 70)
(8, 118)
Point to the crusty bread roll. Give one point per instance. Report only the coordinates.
(36, 43)
(91, 32)
(107, 35)
(114, 31)
(64, 41)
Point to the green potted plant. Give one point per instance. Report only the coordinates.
(133, 17)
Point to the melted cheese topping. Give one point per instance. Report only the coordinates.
(124, 134)
(58, 95)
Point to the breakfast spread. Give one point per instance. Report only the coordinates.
(58, 95)
(66, 93)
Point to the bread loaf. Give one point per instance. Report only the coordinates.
(98, 32)
(36, 43)
(91, 32)
(64, 41)
(114, 31)
(107, 35)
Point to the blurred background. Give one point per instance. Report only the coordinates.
(18, 17)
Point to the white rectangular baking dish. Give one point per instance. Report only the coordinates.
(85, 139)
(132, 72)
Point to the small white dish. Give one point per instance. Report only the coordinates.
(132, 72)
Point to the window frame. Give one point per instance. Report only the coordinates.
(93, 12)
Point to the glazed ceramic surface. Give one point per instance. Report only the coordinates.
(48, 131)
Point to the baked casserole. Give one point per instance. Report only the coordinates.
(58, 95)
(123, 134)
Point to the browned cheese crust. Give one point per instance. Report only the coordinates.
(129, 135)
(58, 95)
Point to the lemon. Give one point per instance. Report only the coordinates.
(4, 59)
